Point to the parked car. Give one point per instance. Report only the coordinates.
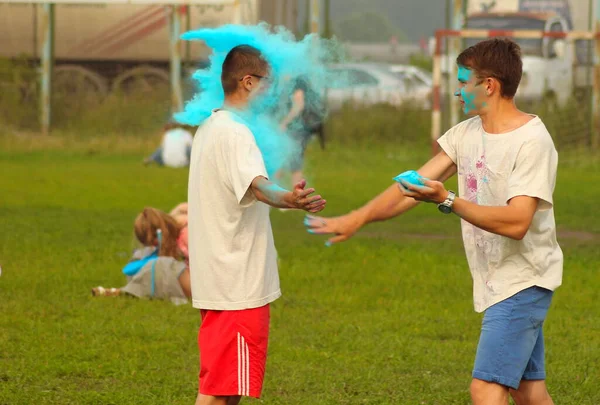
(417, 75)
(418, 82)
(365, 84)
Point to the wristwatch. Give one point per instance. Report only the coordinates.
(446, 206)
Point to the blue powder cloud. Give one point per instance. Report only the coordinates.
(288, 59)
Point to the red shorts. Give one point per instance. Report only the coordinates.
(233, 351)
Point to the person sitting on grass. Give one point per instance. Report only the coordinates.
(175, 147)
(180, 215)
(160, 268)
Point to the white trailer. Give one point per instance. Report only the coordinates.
(106, 44)
(92, 42)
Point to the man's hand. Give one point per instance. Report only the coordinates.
(343, 227)
(275, 196)
(431, 191)
(300, 198)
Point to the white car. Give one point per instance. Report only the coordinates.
(418, 82)
(365, 84)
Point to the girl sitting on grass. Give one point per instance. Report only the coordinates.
(160, 268)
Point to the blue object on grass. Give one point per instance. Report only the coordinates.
(132, 268)
(411, 177)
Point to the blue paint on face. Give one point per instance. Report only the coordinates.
(468, 97)
(287, 58)
(464, 74)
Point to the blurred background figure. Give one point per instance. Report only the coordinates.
(175, 147)
(393, 44)
(306, 111)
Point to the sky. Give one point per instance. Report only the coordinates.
(415, 18)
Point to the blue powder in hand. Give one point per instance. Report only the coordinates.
(411, 177)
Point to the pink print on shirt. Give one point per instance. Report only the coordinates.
(472, 186)
(474, 176)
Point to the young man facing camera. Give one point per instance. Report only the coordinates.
(233, 264)
(506, 164)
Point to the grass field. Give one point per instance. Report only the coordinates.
(385, 318)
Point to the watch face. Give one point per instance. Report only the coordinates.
(445, 209)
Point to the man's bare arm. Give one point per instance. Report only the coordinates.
(392, 202)
(386, 205)
(512, 220)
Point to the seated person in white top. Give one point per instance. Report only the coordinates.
(175, 147)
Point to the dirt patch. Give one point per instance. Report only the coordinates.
(400, 235)
(577, 235)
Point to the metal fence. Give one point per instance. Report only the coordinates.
(88, 50)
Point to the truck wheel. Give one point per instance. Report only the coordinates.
(141, 79)
(78, 84)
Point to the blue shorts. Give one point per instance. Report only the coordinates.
(511, 345)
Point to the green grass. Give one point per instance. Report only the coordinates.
(385, 318)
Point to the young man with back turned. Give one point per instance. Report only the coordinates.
(233, 262)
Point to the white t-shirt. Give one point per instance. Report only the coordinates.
(492, 169)
(233, 263)
(175, 145)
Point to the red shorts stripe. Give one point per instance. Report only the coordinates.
(243, 357)
(233, 351)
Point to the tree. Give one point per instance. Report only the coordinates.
(327, 33)
(367, 26)
(307, 18)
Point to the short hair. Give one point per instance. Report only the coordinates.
(497, 58)
(241, 61)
